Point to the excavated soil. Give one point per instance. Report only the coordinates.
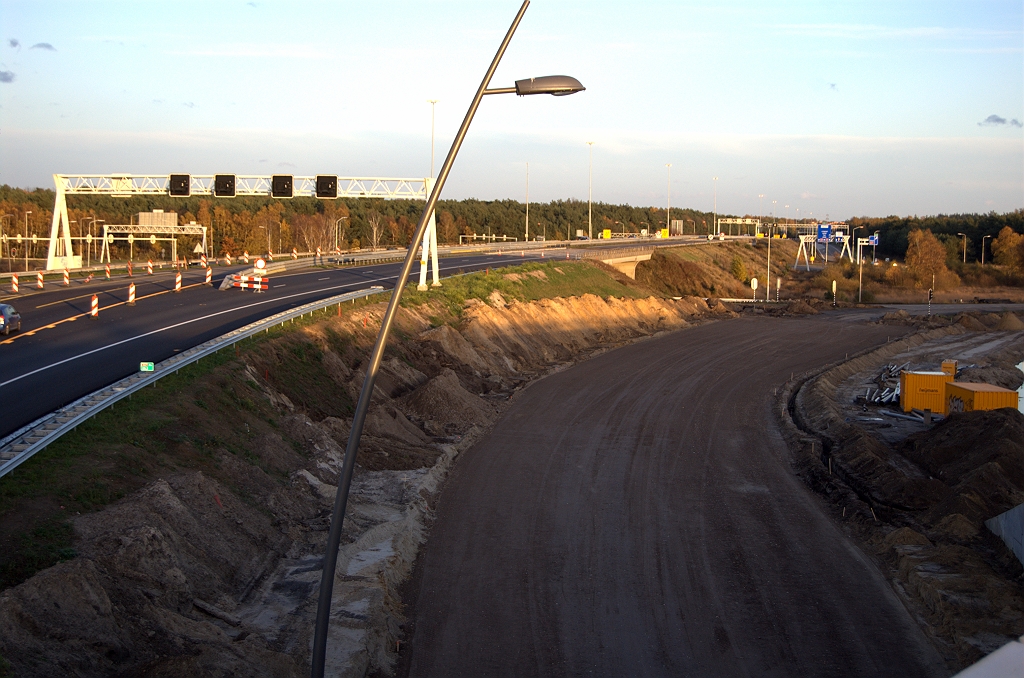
(215, 571)
(917, 495)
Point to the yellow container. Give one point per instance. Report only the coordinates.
(962, 396)
(924, 390)
(949, 367)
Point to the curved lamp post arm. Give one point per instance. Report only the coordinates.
(557, 85)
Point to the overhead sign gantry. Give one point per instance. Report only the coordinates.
(323, 186)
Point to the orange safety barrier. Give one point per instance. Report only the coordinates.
(67, 277)
(295, 253)
(177, 281)
(209, 276)
(39, 280)
(149, 267)
(94, 309)
(14, 284)
(107, 270)
(129, 269)
(131, 294)
(245, 257)
(202, 259)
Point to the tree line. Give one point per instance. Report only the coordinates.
(257, 224)
(894, 232)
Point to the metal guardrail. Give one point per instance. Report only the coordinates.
(21, 445)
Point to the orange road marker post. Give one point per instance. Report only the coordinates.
(67, 277)
(106, 269)
(131, 294)
(94, 308)
(14, 283)
(39, 280)
(177, 281)
(129, 269)
(209, 276)
(149, 267)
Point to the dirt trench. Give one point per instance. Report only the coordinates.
(917, 496)
(214, 569)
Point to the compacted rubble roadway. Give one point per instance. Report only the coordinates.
(638, 515)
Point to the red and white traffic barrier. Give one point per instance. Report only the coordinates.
(39, 280)
(94, 309)
(295, 253)
(318, 255)
(149, 267)
(177, 281)
(209, 276)
(106, 269)
(245, 257)
(14, 284)
(250, 282)
(129, 269)
(227, 259)
(202, 259)
(67, 277)
(131, 294)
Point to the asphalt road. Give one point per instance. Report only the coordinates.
(61, 356)
(636, 515)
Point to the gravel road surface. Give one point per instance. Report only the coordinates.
(636, 515)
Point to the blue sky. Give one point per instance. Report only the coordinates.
(837, 108)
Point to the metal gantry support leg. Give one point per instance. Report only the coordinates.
(429, 254)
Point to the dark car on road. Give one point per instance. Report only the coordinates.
(9, 319)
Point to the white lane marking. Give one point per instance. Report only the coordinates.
(276, 286)
(187, 322)
(319, 279)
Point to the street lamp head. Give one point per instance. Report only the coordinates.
(557, 85)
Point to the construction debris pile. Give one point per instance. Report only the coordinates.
(918, 495)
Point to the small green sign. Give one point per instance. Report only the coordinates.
(146, 367)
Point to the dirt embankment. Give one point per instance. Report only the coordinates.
(215, 571)
(919, 503)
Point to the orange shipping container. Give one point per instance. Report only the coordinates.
(949, 367)
(924, 390)
(967, 397)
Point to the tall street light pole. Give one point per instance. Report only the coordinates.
(558, 85)
(526, 238)
(964, 236)
(590, 195)
(716, 206)
(432, 103)
(12, 216)
(26, 239)
(760, 209)
(983, 248)
(668, 211)
(336, 241)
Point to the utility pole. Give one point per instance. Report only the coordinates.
(527, 237)
(590, 195)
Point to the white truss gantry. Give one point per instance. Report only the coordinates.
(60, 254)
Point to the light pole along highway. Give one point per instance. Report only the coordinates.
(557, 85)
